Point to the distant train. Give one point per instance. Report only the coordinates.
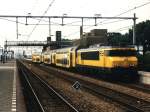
(107, 58)
(36, 57)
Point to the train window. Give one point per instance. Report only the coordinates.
(63, 61)
(120, 53)
(94, 55)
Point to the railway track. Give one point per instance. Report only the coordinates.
(32, 102)
(130, 102)
(136, 86)
(126, 83)
(44, 97)
(132, 85)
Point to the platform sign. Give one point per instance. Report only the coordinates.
(58, 35)
(76, 85)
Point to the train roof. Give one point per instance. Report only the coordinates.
(36, 53)
(106, 48)
(66, 49)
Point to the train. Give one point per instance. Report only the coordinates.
(36, 57)
(102, 58)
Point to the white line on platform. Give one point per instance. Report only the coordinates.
(14, 103)
(13, 99)
(13, 110)
(7, 67)
(13, 106)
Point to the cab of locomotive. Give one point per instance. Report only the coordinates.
(36, 58)
(118, 58)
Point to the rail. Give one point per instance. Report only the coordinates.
(46, 92)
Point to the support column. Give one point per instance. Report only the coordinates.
(134, 29)
(17, 27)
(49, 27)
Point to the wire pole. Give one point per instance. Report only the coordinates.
(17, 27)
(49, 27)
(134, 29)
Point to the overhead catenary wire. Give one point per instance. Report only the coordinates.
(136, 7)
(12, 21)
(54, 23)
(122, 28)
(101, 23)
(93, 25)
(127, 11)
(90, 26)
(51, 3)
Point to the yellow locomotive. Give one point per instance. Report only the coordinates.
(108, 58)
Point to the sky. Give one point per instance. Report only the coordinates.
(106, 8)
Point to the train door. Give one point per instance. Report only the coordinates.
(54, 59)
(51, 59)
(105, 56)
(102, 59)
(71, 57)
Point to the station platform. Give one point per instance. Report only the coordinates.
(144, 77)
(11, 97)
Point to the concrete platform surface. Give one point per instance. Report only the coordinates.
(144, 77)
(8, 88)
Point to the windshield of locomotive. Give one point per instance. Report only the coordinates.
(121, 53)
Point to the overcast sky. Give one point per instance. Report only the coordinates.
(108, 8)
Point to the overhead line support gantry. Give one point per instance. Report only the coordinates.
(71, 17)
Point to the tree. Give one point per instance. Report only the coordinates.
(118, 39)
(142, 35)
